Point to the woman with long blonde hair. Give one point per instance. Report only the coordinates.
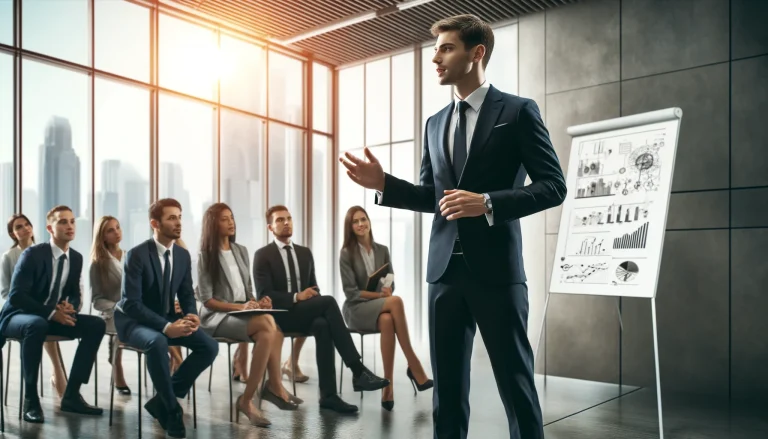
(106, 274)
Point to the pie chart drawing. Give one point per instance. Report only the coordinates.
(627, 271)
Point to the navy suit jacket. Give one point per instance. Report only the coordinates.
(31, 284)
(143, 301)
(509, 140)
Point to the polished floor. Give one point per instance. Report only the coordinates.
(572, 409)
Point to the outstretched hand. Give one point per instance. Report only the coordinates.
(367, 173)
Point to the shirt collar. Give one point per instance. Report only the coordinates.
(281, 245)
(363, 249)
(57, 252)
(161, 248)
(476, 98)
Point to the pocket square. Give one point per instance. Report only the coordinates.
(501, 124)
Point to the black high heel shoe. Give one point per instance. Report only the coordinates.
(428, 384)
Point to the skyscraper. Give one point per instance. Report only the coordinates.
(59, 178)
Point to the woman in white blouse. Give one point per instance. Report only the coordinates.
(224, 285)
(106, 276)
(20, 231)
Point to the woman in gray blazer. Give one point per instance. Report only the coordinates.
(106, 276)
(378, 310)
(21, 233)
(224, 285)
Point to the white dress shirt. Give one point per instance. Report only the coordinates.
(475, 101)
(368, 259)
(238, 289)
(284, 255)
(161, 254)
(55, 296)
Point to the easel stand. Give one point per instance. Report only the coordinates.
(655, 351)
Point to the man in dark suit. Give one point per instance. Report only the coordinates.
(44, 300)
(285, 272)
(476, 154)
(156, 272)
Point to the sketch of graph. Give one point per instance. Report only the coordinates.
(636, 239)
(593, 157)
(597, 218)
(641, 170)
(593, 188)
(627, 271)
(590, 246)
(582, 272)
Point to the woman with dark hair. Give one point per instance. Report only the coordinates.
(20, 231)
(106, 276)
(375, 310)
(224, 285)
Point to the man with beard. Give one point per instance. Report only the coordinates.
(285, 272)
(156, 272)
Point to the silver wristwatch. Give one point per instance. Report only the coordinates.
(488, 204)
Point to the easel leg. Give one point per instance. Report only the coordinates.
(658, 374)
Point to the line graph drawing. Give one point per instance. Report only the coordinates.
(591, 246)
(582, 272)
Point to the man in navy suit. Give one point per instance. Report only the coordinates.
(44, 299)
(476, 154)
(155, 273)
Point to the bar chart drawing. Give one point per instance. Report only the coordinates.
(591, 246)
(595, 188)
(634, 240)
(590, 220)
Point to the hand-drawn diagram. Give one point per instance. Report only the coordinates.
(619, 169)
(601, 218)
(627, 271)
(590, 246)
(636, 239)
(582, 272)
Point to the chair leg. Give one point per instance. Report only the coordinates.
(61, 360)
(95, 381)
(145, 381)
(194, 404)
(8, 372)
(2, 384)
(341, 375)
(362, 356)
(41, 378)
(21, 387)
(229, 365)
(112, 389)
(210, 376)
(374, 352)
(293, 369)
(189, 395)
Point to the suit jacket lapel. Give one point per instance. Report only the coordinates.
(152, 248)
(225, 270)
(303, 274)
(486, 120)
(443, 125)
(280, 273)
(48, 264)
(242, 268)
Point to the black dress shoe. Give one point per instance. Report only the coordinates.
(156, 408)
(278, 401)
(175, 424)
(32, 411)
(335, 403)
(78, 405)
(367, 381)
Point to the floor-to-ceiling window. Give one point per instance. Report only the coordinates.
(156, 103)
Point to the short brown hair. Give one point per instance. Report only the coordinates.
(472, 31)
(156, 209)
(272, 210)
(52, 212)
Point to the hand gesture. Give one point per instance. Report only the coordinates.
(265, 303)
(194, 319)
(461, 204)
(368, 174)
(180, 328)
(307, 294)
(63, 317)
(386, 291)
(251, 304)
(66, 308)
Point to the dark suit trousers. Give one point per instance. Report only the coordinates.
(32, 331)
(321, 317)
(459, 303)
(155, 345)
